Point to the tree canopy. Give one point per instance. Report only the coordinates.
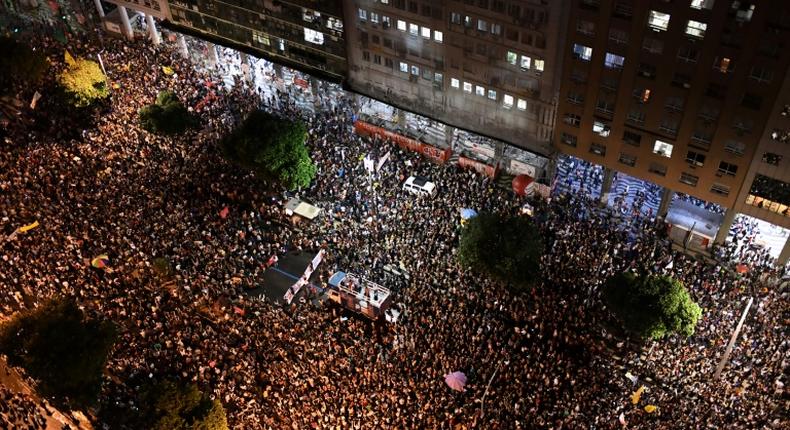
(651, 306)
(19, 62)
(167, 115)
(83, 82)
(274, 147)
(507, 248)
(60, 347)
(172, 405)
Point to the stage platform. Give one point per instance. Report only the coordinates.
(277, 279)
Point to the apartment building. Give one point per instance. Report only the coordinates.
(303, 34)
(766, 190)
(677, 93)
(487, 66)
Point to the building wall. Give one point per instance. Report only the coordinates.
(156, 8)
(771, 160)
(460, 62)
(709, 95)
(307, 35)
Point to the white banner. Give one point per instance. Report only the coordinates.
(519, 168)
(383, 160)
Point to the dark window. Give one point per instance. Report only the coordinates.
(689, 179)
(658, 169)
(720, 189)
(627, 159)
(632, 138)
(598, 149)
(568, 139)
(752, 101)
(572, 119)
(695, 158)
(771, 158)
(726, 168)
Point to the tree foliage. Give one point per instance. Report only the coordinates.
(507, 248)
(167, 116)
(274, 147)
(651, 306)
(18, 62)
(171, 405)
(83, 82)
(60, 347)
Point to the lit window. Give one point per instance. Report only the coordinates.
(702, 4)
(455, 17)
(658, 21)
(415, 70)
(582, 52)
(696, 29)
(662, 148)
(404, 67)
(480, 91)
(601, 129)
(386, 22)
(401, 25)
(313, 36)
(363, 14)
(467, 21)
(507, 101)
(522, 104)
(467, 87)
(614, 61)
(482, 25)
(438, 36)
(723, 64)
(426, 32)
(437, 77)
(455, 83)
(374, 17)
(643, 95)
(492, 94)
(512, 57)
(539, 64)
(496, 29)
(525, 62)
(743, 10)
(414, 29)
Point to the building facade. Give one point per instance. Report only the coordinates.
(766, 190)
(304, 34)
(487, 66)
(677, 93)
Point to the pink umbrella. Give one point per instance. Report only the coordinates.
(456, 381)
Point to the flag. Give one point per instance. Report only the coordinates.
(637, 395)
(224, 212)
(650, 409)
(69, 59)
(238, 310)
(621, 418)
(100, 261)
(167, 70)
(25, 228)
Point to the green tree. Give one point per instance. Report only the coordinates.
(18, 62)
(507, 248)
(651, 306)
(61, 348)
(171, 405)
(167, 116)
(83, 82)
(274, 147)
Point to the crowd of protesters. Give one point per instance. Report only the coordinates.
(547, 358)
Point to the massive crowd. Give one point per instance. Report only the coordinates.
(548, 358)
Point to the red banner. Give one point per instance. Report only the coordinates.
(433, 153)
(482, 168)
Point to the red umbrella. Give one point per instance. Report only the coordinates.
(456, 381)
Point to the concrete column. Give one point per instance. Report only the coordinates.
(402, 119)
(606, 185)
(724, 228)
(99, 8)
(666, 199)
(246, 70)
(182, 45)
(152, 30)
(784, 256)
(126, 26)
(315, 88)
(212, 54)
(449, 136)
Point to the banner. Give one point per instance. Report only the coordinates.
(383, 160)
(434, 154)
(25, 228)
(482, 168)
